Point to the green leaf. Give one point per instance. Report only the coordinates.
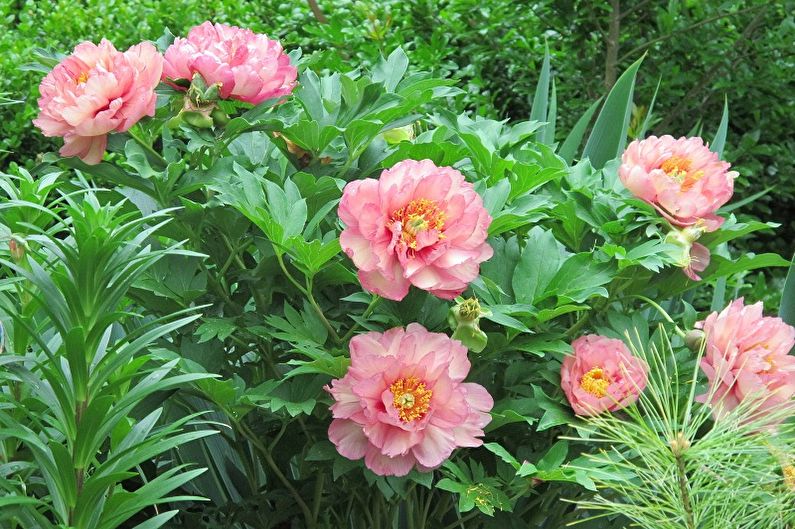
(541, 98)
(554, 457)
(568, 150)
(719, 141)
(541, 258)
(391, 70)
(215, 328)
(580, 278)
(552, 116)
(502, 453)
(649, 113)
(157, 521)
(607, 139)
(787, 309)
(312, 256)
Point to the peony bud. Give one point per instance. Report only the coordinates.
(201, 94)
(198, 119)
(396, 135)
(17, 250)
(220, 118)
(680, 253)
(686, 253)
(694, 339)
(464, 319)
(679, 444)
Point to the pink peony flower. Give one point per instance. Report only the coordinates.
(418, 224)
(248, 66)
(683, 179)
(403, 402)
(95, 91)
(747, 356)
(601, 375)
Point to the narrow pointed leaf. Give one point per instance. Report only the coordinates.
(573, 141)
(607, 139)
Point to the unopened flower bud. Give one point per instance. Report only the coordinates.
(17, 250)
(220, 118)
(694, 339)
(396, 135)
(198, 119)
(464, 319)
(679, 444)
(681, 244)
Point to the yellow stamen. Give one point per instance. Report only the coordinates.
(418, 215)
(595, 382)
(789, 476)
(678, 167)
(82, 78)
(410, 398)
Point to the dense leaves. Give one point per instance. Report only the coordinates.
(194, 284)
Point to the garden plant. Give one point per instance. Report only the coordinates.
(251, 293)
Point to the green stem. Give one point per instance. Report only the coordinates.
(234, 255)
(278, 437)
(426, 509)
(287, 273)
(307, 292)
(319, 481)
(578, 325)
(266, 455)
(662, 312)
(367, 313)
(684, 492)
(148, 148)
(461, 520)
(319, 311)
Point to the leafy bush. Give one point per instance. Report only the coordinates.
(194, 282)
(701, 51)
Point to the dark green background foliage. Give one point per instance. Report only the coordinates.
(198, 270)
(699, 51)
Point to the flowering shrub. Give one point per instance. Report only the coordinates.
(220, 307)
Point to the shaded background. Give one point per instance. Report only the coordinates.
(698, 51)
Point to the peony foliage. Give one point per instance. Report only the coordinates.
(250, 294)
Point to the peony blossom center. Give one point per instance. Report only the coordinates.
(418, 215)
(82, 78)
(595, 382)
(410, 398)
(678, 168)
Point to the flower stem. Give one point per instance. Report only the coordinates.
(662, 312)
(332, 331)
(367, 312)
(148, 148)
(318, 497)
(684, 493)
(578, 325)
(266, 455)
